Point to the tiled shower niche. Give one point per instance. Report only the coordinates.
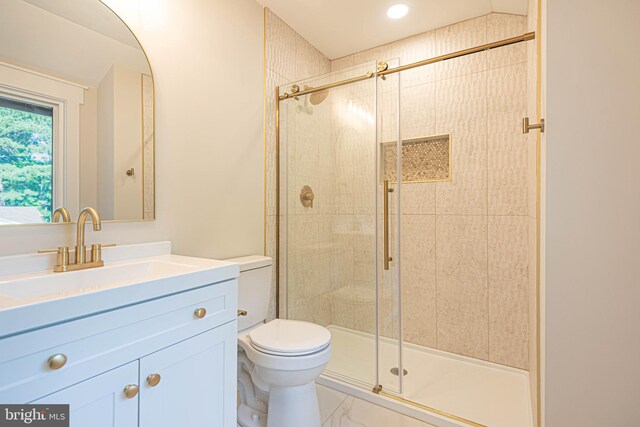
(424, 159)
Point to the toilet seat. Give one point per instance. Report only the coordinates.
(289, 338)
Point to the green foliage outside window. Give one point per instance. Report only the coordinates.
(26, 160)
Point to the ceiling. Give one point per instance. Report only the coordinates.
(79, 45)
(92, 15)
(342, 27)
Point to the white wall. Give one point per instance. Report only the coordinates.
(127, 144)
(89, 148)
(207, 60)
(592, 214)
(106, 128)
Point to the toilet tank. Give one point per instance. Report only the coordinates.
(254, 289)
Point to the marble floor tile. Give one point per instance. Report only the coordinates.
(355, 412)
(329, 400)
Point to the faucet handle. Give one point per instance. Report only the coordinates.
(63, 255)
(49, 251)
(96, 251)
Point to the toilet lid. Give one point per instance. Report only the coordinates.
(290, 337)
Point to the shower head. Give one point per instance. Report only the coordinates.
(315, 98)
(318, 97)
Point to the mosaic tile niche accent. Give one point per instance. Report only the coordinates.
(424, 159)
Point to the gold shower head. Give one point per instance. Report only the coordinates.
(318, 97)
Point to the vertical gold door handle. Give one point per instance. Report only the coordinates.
(387, 258)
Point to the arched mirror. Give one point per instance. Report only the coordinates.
(76, 114)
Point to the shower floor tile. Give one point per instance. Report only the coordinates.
(484, 392)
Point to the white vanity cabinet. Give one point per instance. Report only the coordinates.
(195, 378)
(100, 401)
(179, 350)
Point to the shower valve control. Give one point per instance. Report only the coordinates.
(307, 196)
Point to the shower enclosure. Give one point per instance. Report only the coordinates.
(398, 227)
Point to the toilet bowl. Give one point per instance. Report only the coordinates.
(278, 361)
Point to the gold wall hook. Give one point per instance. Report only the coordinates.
(526, 127)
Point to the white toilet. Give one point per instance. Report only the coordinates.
(278, 361)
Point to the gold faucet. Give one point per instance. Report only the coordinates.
(61, 213)
(81, 250)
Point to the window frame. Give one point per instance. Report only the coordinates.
(58, 196)
(65, 97)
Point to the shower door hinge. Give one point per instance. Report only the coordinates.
(526, 127)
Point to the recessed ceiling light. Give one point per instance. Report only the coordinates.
(398, 11)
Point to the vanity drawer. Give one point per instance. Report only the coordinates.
(103, 341)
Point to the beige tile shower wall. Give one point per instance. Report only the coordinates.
(288, 58)
(353, 151)
(465, 247)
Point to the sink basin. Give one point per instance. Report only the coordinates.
(60, 285)
(39, 298)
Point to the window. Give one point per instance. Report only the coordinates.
(26, 162)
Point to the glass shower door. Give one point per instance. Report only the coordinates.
(390, 364)
(328, 181)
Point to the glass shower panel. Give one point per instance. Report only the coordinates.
(464, 235)
(328, 152)
(389, 168)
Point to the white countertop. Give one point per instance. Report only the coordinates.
(32, 297)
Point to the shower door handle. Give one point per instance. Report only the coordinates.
(387, 258)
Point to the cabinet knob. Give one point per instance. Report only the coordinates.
(153, 379)
(200, 313)
(131, 391)
(57, 361)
